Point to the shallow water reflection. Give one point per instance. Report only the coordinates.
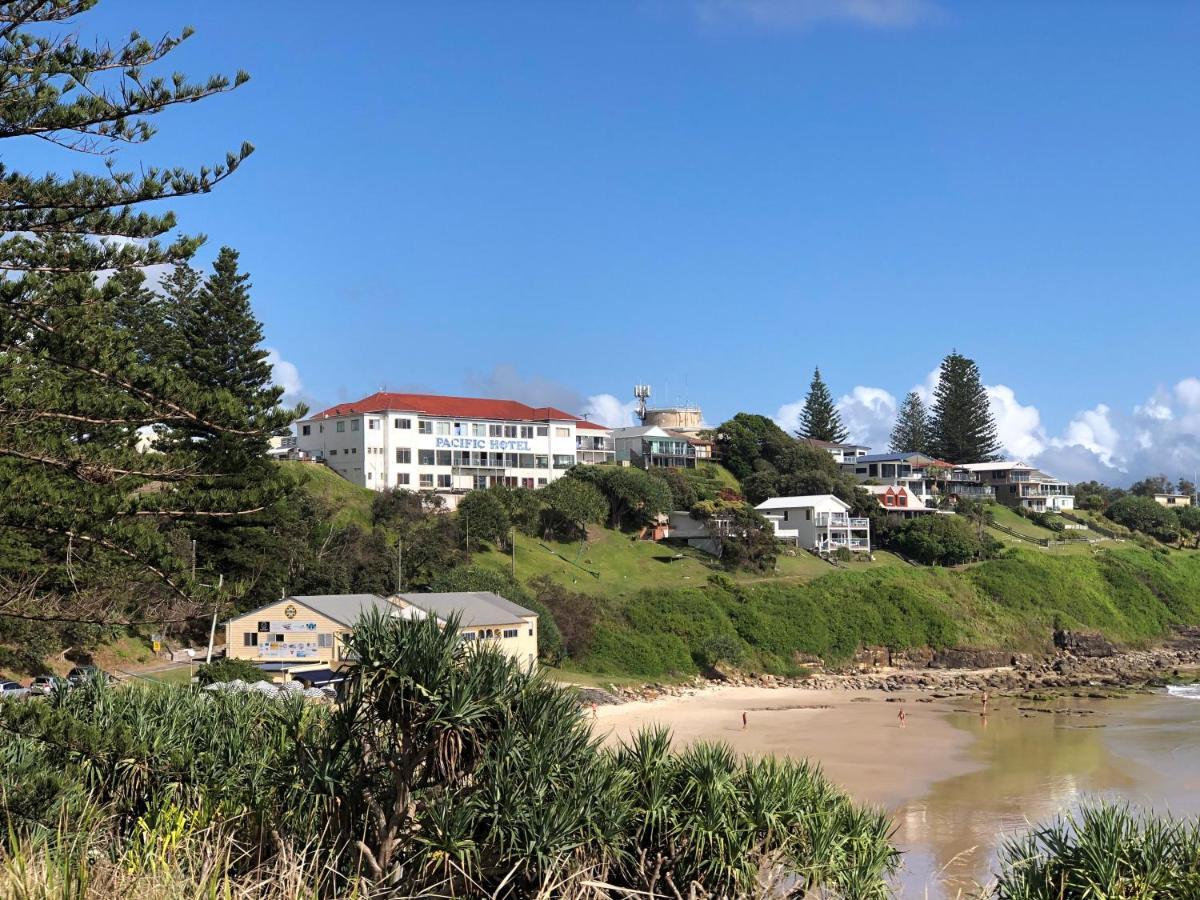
(1034, 765)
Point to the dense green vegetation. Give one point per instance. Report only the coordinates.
(446, 771)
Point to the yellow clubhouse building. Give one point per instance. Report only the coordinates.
(303, 633)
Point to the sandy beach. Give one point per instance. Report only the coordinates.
(855, 735)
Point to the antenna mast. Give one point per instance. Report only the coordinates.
(641, 393)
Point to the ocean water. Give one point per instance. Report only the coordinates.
(1038, 761)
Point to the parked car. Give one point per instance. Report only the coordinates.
(12, 689)
(45, 685)
(80, 674)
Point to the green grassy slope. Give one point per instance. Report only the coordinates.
(1130, 594)
(352, 504)
(615, 564)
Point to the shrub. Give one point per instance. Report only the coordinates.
(1145, 515)
(229, 669)
(943, 541)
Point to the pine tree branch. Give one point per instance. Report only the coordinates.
(98, 473)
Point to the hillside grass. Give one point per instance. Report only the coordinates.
(616, 564)
(350, 503)
(709, 479)
(1131, 595)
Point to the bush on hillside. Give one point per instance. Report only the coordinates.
(569, 505)
(635, 497)
(938, 540)
(228, 669)
(1145, 515)
(484, 517)
(574, 613)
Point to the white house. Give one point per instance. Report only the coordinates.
(443, 444)
(1018, 484)
(820, 522)
(842, 453)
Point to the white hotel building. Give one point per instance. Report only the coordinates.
(449, 444)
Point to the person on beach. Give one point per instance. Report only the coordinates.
(902, 716)
(743, 720)
(984, 701)
(593, 710)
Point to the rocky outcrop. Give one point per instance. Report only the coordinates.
(968, 658)
(1082, 643)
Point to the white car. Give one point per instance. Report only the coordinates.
(45, 685)
(12, 689)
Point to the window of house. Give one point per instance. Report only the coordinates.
(543, 430)
(426, 481)
(562, 431)
(373, 424)
(325, 641)
(444, 481)
(250, 639)
(531, 635)
(889, 500)
(443, 428)
(511, 632)
(403, 455)
(354, 424)
(526, 431)
(321, 428)
(402, 423)
(354, 450)
(277, 639)
(369, 474)
(333, 453)
(306, 429)
(264, 627)
(443, 458)
(341, 426)
(786, 514)
(808, 515)
(467, 636)
(424, 426)
(902, 500)
(402, 478)
(478, 429)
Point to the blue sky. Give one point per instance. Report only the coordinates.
(553, 201)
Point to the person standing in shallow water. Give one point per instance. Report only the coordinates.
(743, 720)
(903, 717)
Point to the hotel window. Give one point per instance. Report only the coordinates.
(526, 431)
(510, 632)
(526, 482)
(510, 460)
(325, 641)
(403, 455)
(563, 461)
(333, 453)
(560, 431)
(402, 478)
(354, 424)
(510, 431)
(443, 458)
(373, 424)
(541, 462)
(402, 423)
(525, 461)
(306, 429)
(250, 639)
(443, 427)
(424, 426)
(495, 431)
(443, 481)
(341, 426)
(426, 481)
(478, 429)
(480, 482)
(425, 457)
(541, 482)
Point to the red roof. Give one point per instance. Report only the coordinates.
(447, 407)
(591, 426)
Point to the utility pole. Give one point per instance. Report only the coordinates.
(193, 559)
(512, 540)
(212, 632)
(399, 565)
(467, 542)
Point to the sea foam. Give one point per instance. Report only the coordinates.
(1188, 691)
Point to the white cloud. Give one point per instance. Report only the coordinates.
(606, 409)
(1093, 430)
(804, 14)
(286, 375)
(925, 389)
(867, 412)
(1018, 427)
